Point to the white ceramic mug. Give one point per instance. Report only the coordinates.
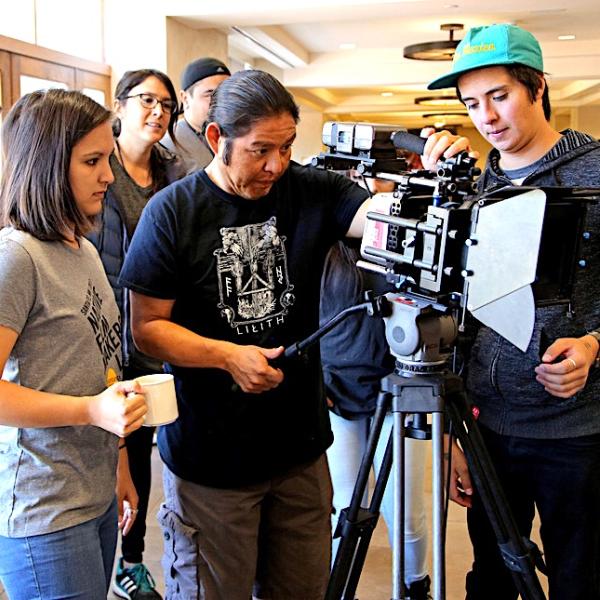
(159, 391)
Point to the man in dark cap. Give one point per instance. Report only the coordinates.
(199, 80)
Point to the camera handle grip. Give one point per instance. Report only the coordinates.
(408, 141)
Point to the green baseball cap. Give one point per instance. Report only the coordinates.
(500, 44)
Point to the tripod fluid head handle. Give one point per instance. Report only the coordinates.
(375, 306)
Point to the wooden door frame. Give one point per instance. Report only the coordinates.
(18, 57)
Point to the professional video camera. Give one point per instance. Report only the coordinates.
(436, 239)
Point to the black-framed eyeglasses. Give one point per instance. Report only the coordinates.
(150, 101)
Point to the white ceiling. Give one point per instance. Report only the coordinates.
(347, 83)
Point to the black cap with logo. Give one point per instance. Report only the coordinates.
(200, 69)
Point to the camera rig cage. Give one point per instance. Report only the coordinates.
(436, 239)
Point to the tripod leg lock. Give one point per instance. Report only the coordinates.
(365, 521)
(521, 563)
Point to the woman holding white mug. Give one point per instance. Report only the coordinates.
(62, 409)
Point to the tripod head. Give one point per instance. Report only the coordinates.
(420, 336)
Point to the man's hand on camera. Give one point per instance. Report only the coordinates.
(461, 488)
(249, 366)
(443, 144)
(566, 364)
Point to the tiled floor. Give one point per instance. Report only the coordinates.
(375, 583)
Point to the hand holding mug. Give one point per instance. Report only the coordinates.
(119, 409)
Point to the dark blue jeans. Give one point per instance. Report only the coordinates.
(562, 479)
(74, 563)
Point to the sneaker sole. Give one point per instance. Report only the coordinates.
(119, 592)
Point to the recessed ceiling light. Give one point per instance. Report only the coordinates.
(570, 36)
(347, 46)
(387, 93)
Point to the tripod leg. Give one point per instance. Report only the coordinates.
(518, 553)
(356, 525)
(399, 525)
(438, 534)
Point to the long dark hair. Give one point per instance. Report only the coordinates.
(132, 79)
(245, 98)
(38, 137)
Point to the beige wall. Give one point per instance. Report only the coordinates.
(43, 22)
(264, 65)
(564, 120)
(134, 42)
(184, 44)
(308, 139)
(588, 120)
(19, 21)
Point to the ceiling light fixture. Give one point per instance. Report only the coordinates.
(444, 115)
(569, 36)
(438, 101)
(387, 94)
(441, 50)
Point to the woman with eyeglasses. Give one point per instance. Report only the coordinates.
(145, 109)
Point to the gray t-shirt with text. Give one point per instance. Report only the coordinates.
(60, 303)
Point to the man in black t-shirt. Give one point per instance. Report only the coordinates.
(225, 270)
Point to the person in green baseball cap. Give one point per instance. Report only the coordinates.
(502, 54)
(539, 410)
(491, 45)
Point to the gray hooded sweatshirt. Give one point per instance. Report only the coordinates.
(501, 379)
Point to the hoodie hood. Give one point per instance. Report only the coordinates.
(571, 145)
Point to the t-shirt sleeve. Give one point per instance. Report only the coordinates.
(347, 198)
(150, 266)
(17, 285)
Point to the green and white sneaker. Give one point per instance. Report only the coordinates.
(134, 583)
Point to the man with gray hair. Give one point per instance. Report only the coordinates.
(199, 80)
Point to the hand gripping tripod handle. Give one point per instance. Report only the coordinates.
(373, 305)
(290, 352)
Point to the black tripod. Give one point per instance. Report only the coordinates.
(421, 385)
